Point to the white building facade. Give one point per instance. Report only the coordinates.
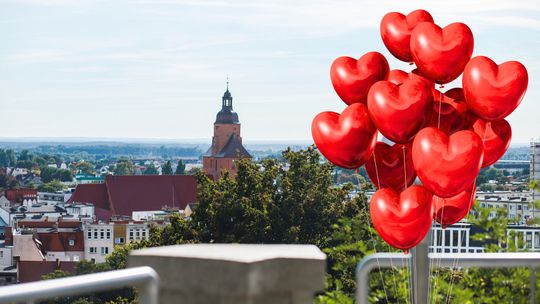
(98, 241)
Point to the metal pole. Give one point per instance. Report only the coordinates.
(144, 278)
(419, 264)
(371, 262)
(466, 260)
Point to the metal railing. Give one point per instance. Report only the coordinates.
(464, 260)
(145, 279)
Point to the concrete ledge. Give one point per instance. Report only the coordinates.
(235, 273)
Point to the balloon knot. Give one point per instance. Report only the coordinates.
(411, 63)
(441, 86)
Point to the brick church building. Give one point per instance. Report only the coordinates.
(227, 143)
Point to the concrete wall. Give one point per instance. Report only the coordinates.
(234, 273)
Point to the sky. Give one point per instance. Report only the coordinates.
(157, 69)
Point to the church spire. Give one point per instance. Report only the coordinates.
(227, 98)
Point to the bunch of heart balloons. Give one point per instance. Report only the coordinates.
(444, 139)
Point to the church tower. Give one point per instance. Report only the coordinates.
(227, 143)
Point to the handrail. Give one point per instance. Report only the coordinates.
(144, 278)
(465, 260)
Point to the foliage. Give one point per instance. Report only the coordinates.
(55, 275)
(151, 170)
(6, 180)
(7, 158)
(180, 168)
(297, 202)
(167, 168)
(49, 174)
(53, 186)
(84, 167)
(124, 167)
(118, 149)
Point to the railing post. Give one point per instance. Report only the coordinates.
(419, 264)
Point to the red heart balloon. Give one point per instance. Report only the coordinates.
(396, 30)
(346, 140)
(447, 165)
(448, 211)
(493, 92)
(441, 54)
(449, 111)
(397, 77)
(394, 166)
(496, 136)
(399, 111)
(402, 220)
(352, 78)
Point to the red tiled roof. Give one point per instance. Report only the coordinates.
(150, 192)
(95, 194)
(29, 271)
(91, 193)
(59, 241)
(121, 195)
(49, 224)
(17, 195)
(69, 224)
(35, 224)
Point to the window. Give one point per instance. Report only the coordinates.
(72, 242)
(89, 234)
(102, 234)
(104, 250)
(95, 234)
(108, 234)
(119, 240)
(93, 250)
(144, 233)
(1, 254)
(519, 207)
(130, 234)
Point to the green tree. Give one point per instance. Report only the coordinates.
(85, 167)
(151, 170)
(48, 174)
(11, 158)
(124, 167)
(180, 168)
(55, 275)
(3, 158)
(167, 168)
(52, 186)
(26, 155)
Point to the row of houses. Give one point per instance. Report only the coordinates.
(43, 232)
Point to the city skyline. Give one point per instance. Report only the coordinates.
(157, 70)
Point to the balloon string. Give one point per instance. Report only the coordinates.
(439, 116)
(455, 263)
(373, 240)
(391, 263)
(471, 202)
(405, 188)
(438, 261)
(376, 170)
(404, 167)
